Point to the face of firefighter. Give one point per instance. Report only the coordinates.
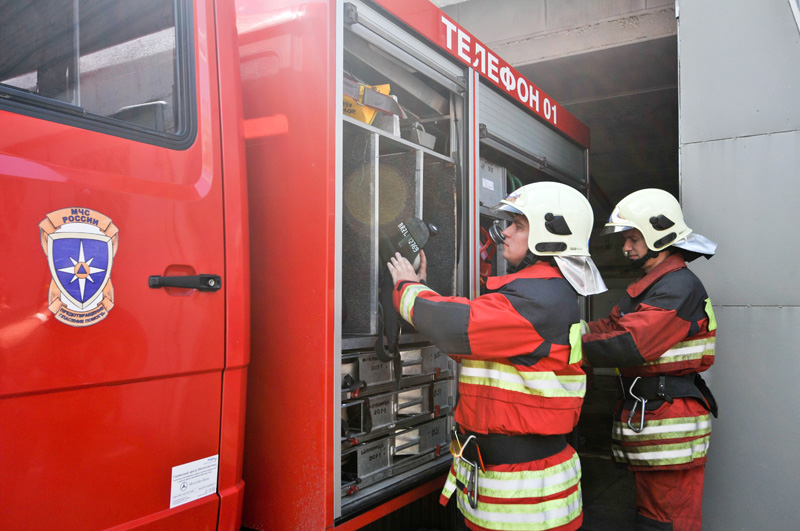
(635, 249)
(515, 246)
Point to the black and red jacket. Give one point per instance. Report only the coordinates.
(519, 346)
(664, 327)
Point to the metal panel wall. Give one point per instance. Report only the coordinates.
(503, 119)
(739, 119)
(742, 193)
(745, 56)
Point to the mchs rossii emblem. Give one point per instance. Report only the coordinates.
(80, 245)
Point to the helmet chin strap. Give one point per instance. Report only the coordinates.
(529, 259)
(639, 262)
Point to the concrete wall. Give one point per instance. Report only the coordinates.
(739, 89)
(528, 31)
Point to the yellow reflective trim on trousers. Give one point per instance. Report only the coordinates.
(501, 376)
(657, 430)
(450, 484)
(529, 483)
(687, 350)
(662, 455)
(407, 299)
(523, 516)
(712, 320)
(575, 343)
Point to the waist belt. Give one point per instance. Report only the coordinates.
(668, 387)
(498, 449)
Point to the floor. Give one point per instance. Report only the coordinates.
(608, 492)
(608, 495)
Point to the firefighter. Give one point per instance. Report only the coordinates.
(521, 385)
(660, 335)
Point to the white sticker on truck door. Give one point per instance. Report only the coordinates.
(193, 480)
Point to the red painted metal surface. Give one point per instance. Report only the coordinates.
(432, 23)
(288, 77)
(230, 486)
(95, 418)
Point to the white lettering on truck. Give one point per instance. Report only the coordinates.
(488, 64)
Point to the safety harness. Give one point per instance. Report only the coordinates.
(640, 390)
(480, 450)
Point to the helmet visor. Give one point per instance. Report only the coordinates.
(505, 210)
(617, 223)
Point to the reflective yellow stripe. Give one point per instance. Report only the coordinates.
(712, 320)
(575, 343)
(523, 516)
(501, 376)
(512, 516)
(655, 430)
(662, 455)
(686, 351)
(450, 484)
(408, 298)
(532, 483)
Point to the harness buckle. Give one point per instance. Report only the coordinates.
(637, 401)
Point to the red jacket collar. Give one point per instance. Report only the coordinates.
(672, 263)
(537, 270)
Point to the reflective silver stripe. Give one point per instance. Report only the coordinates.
(550, 514)
(506, 514)
(662, 455)
(687, 350)
(677, 428)
(407, 299)
(503, 376)
(531, 484)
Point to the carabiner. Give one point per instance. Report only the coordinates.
(472, 483)
(637, 401)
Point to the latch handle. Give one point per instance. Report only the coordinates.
(199, 282)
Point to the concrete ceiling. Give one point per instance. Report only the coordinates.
(628, 97)
(611, 64)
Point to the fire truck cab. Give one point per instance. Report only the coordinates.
(124, 300)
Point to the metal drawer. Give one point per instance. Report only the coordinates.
(370, 417)
(399, 451)
(431, 436)
(364, 374)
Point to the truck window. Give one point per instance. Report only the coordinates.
(115, 66)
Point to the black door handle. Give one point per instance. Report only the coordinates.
(198, 282)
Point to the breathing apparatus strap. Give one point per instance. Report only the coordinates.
(388, 320)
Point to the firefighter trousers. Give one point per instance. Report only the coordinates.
(669, 500)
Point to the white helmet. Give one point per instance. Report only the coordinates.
(560, 218)
(657, 215)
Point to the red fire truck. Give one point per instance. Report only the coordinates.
(193, 198)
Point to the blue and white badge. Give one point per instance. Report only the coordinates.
(80, 245)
